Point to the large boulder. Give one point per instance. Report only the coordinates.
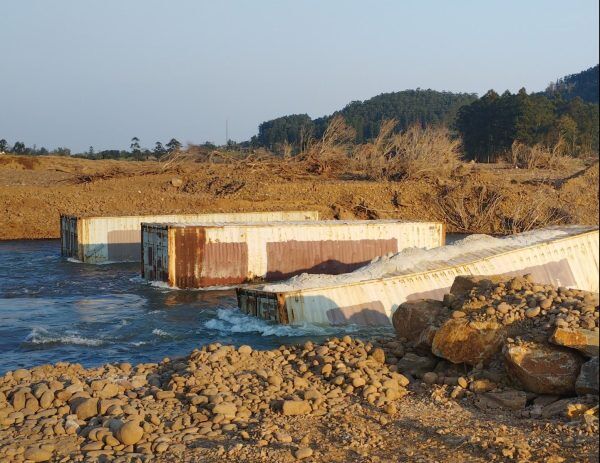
(411, 318)
(462, 341)
(587, 381)
(542, 368)
(509, 399)
(585, 341)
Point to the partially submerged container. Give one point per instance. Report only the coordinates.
(193, 256)
(566, 256)
(97, 240)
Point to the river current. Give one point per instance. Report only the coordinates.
(54, 310)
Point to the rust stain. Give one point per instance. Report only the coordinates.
(282, 313)
(224, 263)
(286, 259)
(187, 250)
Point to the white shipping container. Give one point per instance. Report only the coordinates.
(565, 256)
(191, 256)
(97, 240)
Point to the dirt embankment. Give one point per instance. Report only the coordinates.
(474, 198)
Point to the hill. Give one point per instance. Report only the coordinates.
(426, 107)
(583, 85)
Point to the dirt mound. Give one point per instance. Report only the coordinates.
(473, 198)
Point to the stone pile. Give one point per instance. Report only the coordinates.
(119, 412)
(544, 339)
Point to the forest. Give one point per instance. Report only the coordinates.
(565, 113)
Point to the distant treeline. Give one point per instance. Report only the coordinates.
(136, 151)
(568, 109)
(488, 126)
(583, 85)
(425, 107)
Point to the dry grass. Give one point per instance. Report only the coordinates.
(540, 156)
(463, 211)
(328, 156)
(535, 211)
(413, 153)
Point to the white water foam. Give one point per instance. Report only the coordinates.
(416, 259)
(73, 260)
(233, 321)
(160, 333)
(43, 336)
(165, 285)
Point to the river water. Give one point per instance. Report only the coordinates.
(53, 310)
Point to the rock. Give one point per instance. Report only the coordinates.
(162, 395)
(416, 365)
(587, 381)
(558, 408)
(130, 433)
(480, 386)
(504, 308)
(543, 369)
(425, 340)
(296, 407)
(464, 283)
(411, 318)
(18, 400)
(21, 374)
(585, 341)
(430, 377)
(37, 454)
(245, 350)
(176, 182)
(283, 437)
(46, 399)
(227, 409)
(303, 452)
(532, 312)
(378, 355)
(86, 408)
(108, 391)
(510, 399)
(461, 341)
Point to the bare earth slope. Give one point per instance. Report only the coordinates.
(475, 198)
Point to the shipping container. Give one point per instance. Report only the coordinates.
(193, 256)
(566, 256)
(97, 240)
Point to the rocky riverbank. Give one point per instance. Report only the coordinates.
(416, 397)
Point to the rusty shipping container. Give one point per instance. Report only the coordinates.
(566, 256)
(97, 240)
(192, 256)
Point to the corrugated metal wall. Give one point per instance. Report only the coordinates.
(117, 239)
(571, 261)
(237, 253)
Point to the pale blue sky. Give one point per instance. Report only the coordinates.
(77, 73)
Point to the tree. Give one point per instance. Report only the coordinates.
(19, 147)
(423, 107)
(173, 145)
(159, 149)
(60, 151)
(490, 125)
(90, 152)
(136, 151)
(3, 145)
